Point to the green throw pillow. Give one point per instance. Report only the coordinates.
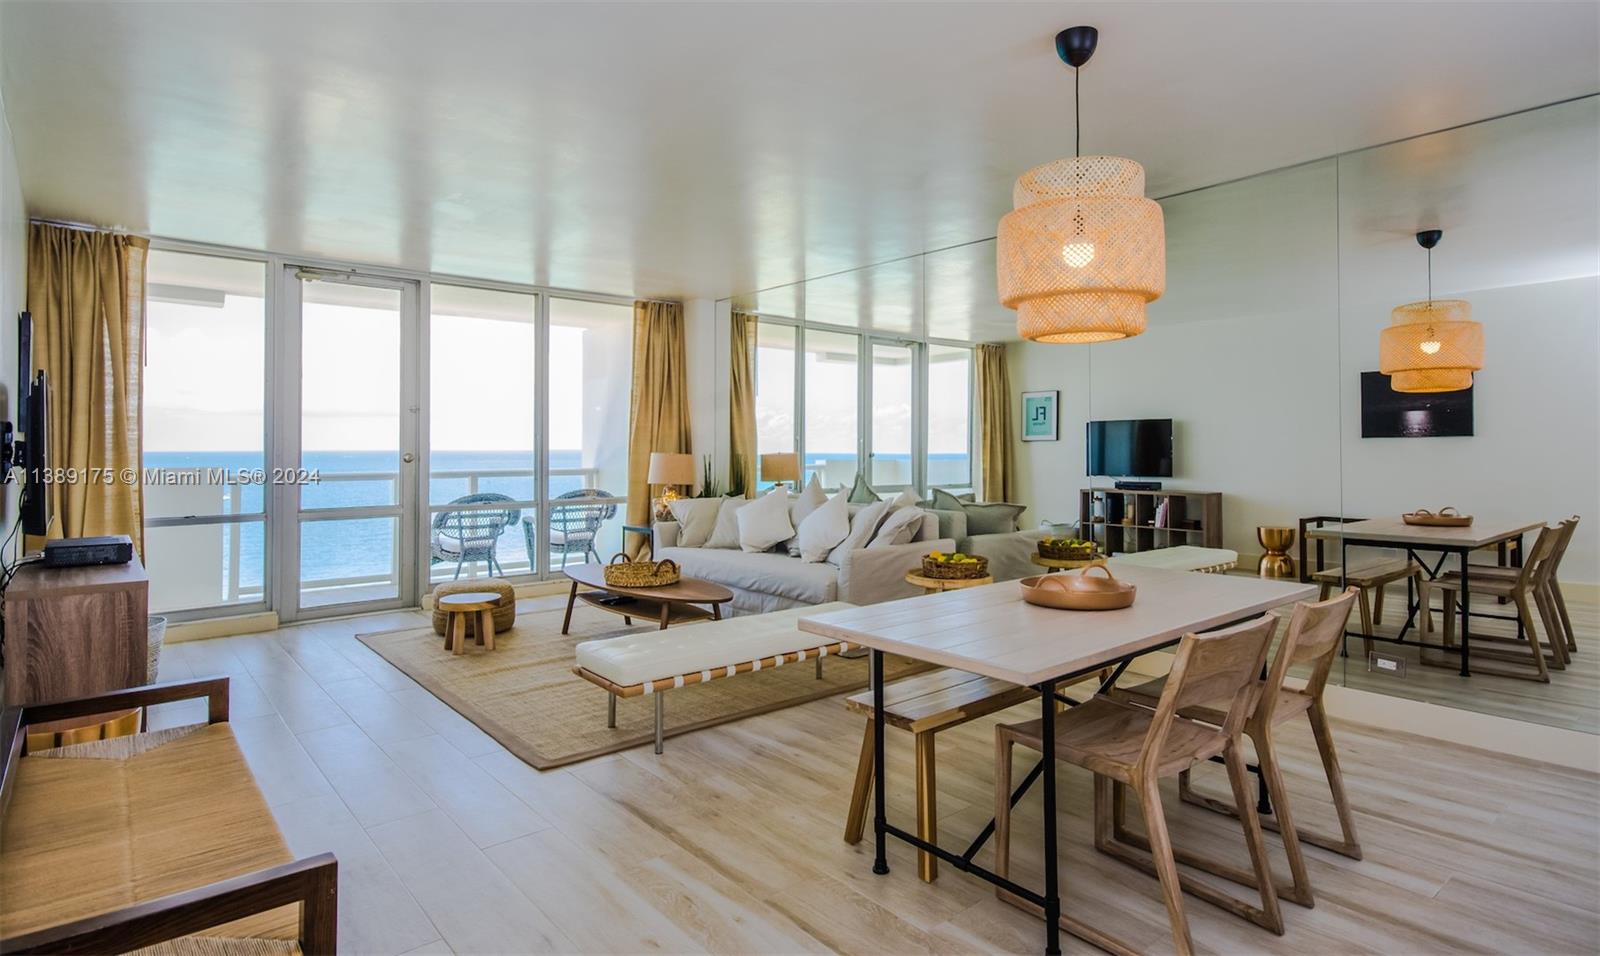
(986, 518)
(861, 493)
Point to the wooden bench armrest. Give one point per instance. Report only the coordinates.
(312, 882)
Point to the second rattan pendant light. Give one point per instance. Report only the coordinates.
(1431, 346)
(1082, 251)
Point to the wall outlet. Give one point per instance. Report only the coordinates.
(1389, 664)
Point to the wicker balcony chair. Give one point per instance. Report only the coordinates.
(470, 535)
(572, 527)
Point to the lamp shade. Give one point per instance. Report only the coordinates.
(780, 466)
(1082, 251)
(671, 468)
(1431, 346)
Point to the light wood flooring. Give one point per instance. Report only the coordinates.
(730, 841)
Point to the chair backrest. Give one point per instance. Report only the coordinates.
(1559, 551)
(584, 517)
(1313, 637)
(1221, 665)
(1536, 563)
(476, 522)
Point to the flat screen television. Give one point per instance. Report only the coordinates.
(1386, 413)
(33, 439)
(1131, 448)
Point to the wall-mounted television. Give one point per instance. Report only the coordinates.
(1131, 448)
(1386, 413)
(32, 440)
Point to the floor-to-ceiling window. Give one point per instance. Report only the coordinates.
(950, 384)
(832, 433)
(893, 415)
(590, 391)
(205, 431)
(775, 391)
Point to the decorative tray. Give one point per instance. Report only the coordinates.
(623, 573)
(1078, 592)
(1444, 518)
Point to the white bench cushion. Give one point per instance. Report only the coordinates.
(654, 655)
(1186, 557)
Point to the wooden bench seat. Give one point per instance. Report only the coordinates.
(923, 705)
(1371, 577)
(141, 840)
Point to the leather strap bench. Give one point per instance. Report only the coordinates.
(654, 662)
(1184, 557)
(923, 705)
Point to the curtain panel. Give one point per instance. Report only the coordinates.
(86, 290)
(742, 404)
(998, 453)
(659, 414)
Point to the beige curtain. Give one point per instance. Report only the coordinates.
(659, 417)
(742, 403)
(994, 414)
(86, 293)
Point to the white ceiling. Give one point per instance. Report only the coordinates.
(700, 150)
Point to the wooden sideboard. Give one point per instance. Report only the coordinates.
(73, 632)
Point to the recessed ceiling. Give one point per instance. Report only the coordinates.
(700, 150)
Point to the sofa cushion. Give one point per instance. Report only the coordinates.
(808, 500)
(766, 572)
(901, 527)
(824, 528)
(861, 493)
(982, 517)
(726, 532)
(696, 517)
(765, 521)
(863, 525)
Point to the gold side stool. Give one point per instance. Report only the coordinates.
(1275, 544)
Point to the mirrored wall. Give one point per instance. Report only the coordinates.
(1262, 357)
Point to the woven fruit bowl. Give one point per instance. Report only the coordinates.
(1066, 549)
(623, 573)
(954, 567)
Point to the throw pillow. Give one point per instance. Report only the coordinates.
(824, 528)
(993, 517)
(696, 517)
(765, 521)
(904, 499)
(945, 501)
(862, 527)
(726, 532)
(809, 500)
(899, 528)
(861, 493)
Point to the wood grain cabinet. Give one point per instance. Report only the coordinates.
(73, 632)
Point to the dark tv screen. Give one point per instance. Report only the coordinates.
(1135, 448)
(1386, 413)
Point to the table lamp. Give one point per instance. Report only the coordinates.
(670, 469)
(780, 467)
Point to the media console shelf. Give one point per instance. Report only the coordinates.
(1124, 522)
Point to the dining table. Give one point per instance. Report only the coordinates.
(1443, 541)
(991, 631)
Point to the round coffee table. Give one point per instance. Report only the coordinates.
(457, 608)
(936, 585)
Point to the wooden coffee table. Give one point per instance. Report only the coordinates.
(670, 604)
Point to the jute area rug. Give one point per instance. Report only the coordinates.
(524, 694)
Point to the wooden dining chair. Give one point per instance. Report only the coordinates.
(1311, 640)
(1526, 591)
(1121, 742)
(1555, 603)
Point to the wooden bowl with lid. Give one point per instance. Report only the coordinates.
(1079, 592)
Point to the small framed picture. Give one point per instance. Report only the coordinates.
(1039, 415)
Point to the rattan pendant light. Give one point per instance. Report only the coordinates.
(1082, 251)
(1433, 345)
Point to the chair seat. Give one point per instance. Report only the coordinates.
(570, 537)
(1105, 736)
(1497, 585)
(1291, 703)
(1369, 575)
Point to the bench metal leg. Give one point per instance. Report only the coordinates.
(660, 712)
(611, 710)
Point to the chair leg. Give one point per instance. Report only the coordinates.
(1155, 824)
(1377, 604)
(1561, 611)
(927, 806)
(1365, 604)
(1351, 846)
(1299, 889)
(1449, 618)
(1271, 915)
(855, 822)
(1552, 628)
(459, 562)
(1521, 597)
(1002, 805)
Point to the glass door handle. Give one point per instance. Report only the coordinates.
(408, 458)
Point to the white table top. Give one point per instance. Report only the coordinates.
(992, 631)
(1475, 535)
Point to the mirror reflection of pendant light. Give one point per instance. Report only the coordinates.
(1082, 251)
(1431, 346)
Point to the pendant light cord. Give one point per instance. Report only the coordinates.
(1430, 278)
(1077, 116)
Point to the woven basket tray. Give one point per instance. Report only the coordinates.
(622, 573)
(1446, 518)
(1059, 553)
(943, 571)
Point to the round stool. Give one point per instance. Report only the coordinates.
(505, 613)
(459, 609)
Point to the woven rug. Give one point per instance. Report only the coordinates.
(524, 694)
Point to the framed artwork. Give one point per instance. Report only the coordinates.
(1039, 421)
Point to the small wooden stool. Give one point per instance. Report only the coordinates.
(458, 608)
(938, 585)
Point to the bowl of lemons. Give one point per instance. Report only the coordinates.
(1066, 549)
(954, 567)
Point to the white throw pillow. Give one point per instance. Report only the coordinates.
(899, 528)
(824, 528)
(809, 500)
(904, 499)
(765, 521)
(862, 527)
(726, 532)
(696, 517)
